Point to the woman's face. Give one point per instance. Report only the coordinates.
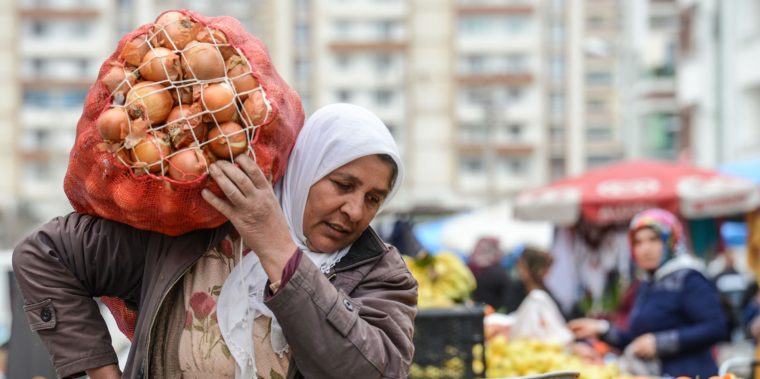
(341, 205)
(648, 248)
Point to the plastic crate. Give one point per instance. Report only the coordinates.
(447, 341)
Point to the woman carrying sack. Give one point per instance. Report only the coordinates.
(676, 317)
(296, 284)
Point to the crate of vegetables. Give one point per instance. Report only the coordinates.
(175, 96)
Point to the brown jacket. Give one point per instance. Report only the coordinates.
(355, 322)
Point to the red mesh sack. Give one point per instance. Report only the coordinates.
(173, 97)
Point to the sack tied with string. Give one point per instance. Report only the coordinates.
(175, 96)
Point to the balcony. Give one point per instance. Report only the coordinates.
(498, 7)
(49, 12)
(510, 80)
(371, 46)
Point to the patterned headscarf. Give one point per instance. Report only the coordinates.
(665, 224)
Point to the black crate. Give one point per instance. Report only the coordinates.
(445, 343)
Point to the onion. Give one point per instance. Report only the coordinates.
(118, 80)
(210, 157)
(174, 27)
(219, 99)
(184, 122)
(151, 151)
(183, 94)
(113, 124)
(202, 61)
(134, 51)
(256, 109)
(239, 71)
(149, 99)
(187, 165)
(228, 140)
(124, 157)
(218, 38)
(160, 64)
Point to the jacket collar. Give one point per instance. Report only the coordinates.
(368, 247)
(680, 262)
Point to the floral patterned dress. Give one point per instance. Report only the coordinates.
(202, 350)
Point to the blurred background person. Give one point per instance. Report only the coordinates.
(532, 267)
(494, 285)
(677, 317)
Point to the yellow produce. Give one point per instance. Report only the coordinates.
(524, 357)
(443, 279)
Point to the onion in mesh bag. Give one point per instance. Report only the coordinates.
(175, 96)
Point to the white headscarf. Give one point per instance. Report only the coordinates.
(332, 137)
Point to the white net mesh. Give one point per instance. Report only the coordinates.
(214, 100)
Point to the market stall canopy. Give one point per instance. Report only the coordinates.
(459, 233)
(615, 193)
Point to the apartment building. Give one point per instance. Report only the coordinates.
(51, 62)
(457, 82)
(8, 123)
(651, 119)
(718, 82)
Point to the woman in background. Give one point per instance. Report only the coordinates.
(676, 317)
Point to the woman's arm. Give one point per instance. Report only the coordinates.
(700, 305)
(333, 335)
(60, 267)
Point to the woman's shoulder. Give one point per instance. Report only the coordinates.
(683, 279)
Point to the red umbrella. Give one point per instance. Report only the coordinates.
(617, 192)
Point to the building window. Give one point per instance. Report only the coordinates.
(383, 97)
(556, 133)
(599, 133)
(557, 168)
(382, 62)
(40, 28)
(517, 24)
(512, 165)
(302, 34)
(84, 66)
(473, 133)
(37, 98)
(302, 68)
(343, 61)
(557, 102)
(557, 32)
(343, 29)
(557, 68)
(345, 96)
(475, 64)
(387, 29)
(598, 78)
(80, 29)
(471, 165)
(595, 22)
(516, 63)
(596, 105)
(514, 95)
(36, 139)
(515, 131)
(593, 161)
(74, 98)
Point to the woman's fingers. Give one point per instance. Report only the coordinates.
(221, 205)
(233, 181)
(253, 171)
